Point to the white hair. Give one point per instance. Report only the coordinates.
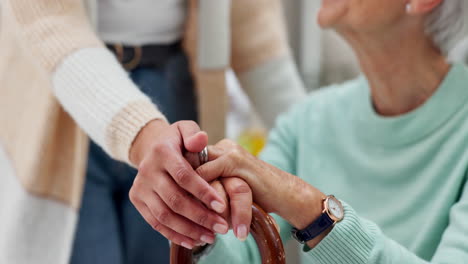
(448, 26)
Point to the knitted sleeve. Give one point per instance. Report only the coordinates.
(357, 240)
(85, 77)
(261, 57)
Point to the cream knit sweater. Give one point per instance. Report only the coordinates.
(58, 81)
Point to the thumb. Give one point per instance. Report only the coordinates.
(193, 138)
(214, 169)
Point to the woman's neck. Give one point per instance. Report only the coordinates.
(403, 72)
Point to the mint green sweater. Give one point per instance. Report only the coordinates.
(403, 180)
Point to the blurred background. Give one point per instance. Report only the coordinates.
(322, 58)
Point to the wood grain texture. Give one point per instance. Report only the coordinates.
(264, 232)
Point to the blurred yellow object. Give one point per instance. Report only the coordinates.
(253, 140)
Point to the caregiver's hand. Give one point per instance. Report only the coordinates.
(167, 191)
(274, 190)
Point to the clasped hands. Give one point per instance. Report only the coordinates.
(189, 204)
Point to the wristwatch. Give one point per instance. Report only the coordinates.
(332, 213)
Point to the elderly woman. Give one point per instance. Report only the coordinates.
(392, 146)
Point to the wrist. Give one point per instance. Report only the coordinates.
(140, 146)
(296, 201)
(307, 206)
(312, 231)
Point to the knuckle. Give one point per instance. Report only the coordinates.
(196, 233)
(202, 219)
(217, 186)
(160, 148)
(164, 216)
(176, 202)
(202, 194)
(144, 169)
(156, 225)
(193, 233)
(239, 149)
(182, 176)
(140, 184)
(132, 195)
(235, 154)
(137, 184)
(200, 170)
(223, 141)
(190, 123)
(171, 237)
(240, 187)
(227, 143)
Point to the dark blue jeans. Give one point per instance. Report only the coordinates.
(110, 229)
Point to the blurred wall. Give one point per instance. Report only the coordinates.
(322, 56)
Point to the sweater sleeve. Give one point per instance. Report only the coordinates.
(357, 240)
(354, 240)
(261, 58)
(86, 78)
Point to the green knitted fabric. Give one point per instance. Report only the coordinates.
(402, 179)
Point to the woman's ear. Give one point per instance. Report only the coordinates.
(421, 7)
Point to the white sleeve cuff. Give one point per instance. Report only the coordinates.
(96, 91)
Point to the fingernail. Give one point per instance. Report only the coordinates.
(220, 228)
(242, 232)
(207, 239)
(186, 245)
(217, 206)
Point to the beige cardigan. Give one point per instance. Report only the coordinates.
(43, 152)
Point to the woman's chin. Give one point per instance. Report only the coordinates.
(325, 20)
(331, 13)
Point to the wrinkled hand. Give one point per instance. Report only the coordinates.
(274, 190)
(238, 196)
(167, 191)
(228, 159)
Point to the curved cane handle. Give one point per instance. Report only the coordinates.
(264, 232)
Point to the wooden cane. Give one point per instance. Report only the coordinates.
(264, 232)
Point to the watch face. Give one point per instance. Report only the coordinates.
(335, 208)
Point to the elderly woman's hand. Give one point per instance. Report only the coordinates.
(274, 190)
(238, 197)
